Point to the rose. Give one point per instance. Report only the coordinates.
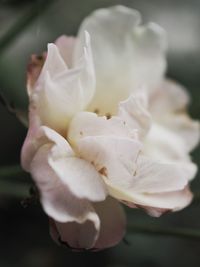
(106, 127)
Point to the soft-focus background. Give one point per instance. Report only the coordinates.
(24, 238)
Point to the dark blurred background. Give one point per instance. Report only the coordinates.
(24, 236)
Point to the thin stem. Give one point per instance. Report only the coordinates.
(165, 231)
(13, 189)
(23, 22)
(8, 171)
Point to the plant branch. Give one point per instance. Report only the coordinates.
(23, 22)
(165, 231)
(13, 189)
(8, 171)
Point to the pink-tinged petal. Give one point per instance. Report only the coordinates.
(158, 177)
(30, 147)
(155, 204)
(120, 160)
(89, 124)
(113, 157)
(66, 45)
(82, 236)
(132, 177)
(57, 199)
(55, 153)
(34, 69)
(37, 136)
(113, 223)
(134, 112)
(168, 106)
(168, 97)
(74, 235)
(162, 143)
(126, 55)
(186, 129)
(80, 177)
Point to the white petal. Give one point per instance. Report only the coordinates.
(168, 106)
(186, 129)
(54, 63)
(168, 97)
(125, 55)
(57, 198)
(156, 203)
(66, 45)
(131, 177)
(61, 92)
(163, 144)
(80, 177)
(134, 112)
(113, 157)
(89, 124)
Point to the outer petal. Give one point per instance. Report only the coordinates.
(81, 236)
(54, 163)
(125, 55)
(168, 97)
(80, 176)
(113, 223)
(156, 203)
(186, 128)
(33, 72)
(131, 177)
(74, 235)
(168, 106)
(56, 198)
(163, 144)
(37, 136)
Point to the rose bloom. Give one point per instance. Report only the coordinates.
(107, 128)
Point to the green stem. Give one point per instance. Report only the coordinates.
(165, 231)
(23, 22)
(13, 189)
(13, 170)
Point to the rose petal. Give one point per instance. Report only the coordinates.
(129, 175)
(113, 157)
(74, 235)
(57, 199)
(168, 97)
(125, 55)
(80, 177)
(66, 45)
(58, 87)
(156, 203)
(113, 223)
(81, 236)
(163, 144)
(89, 124)
(186, 129)
(168, 106)
(134, 112)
